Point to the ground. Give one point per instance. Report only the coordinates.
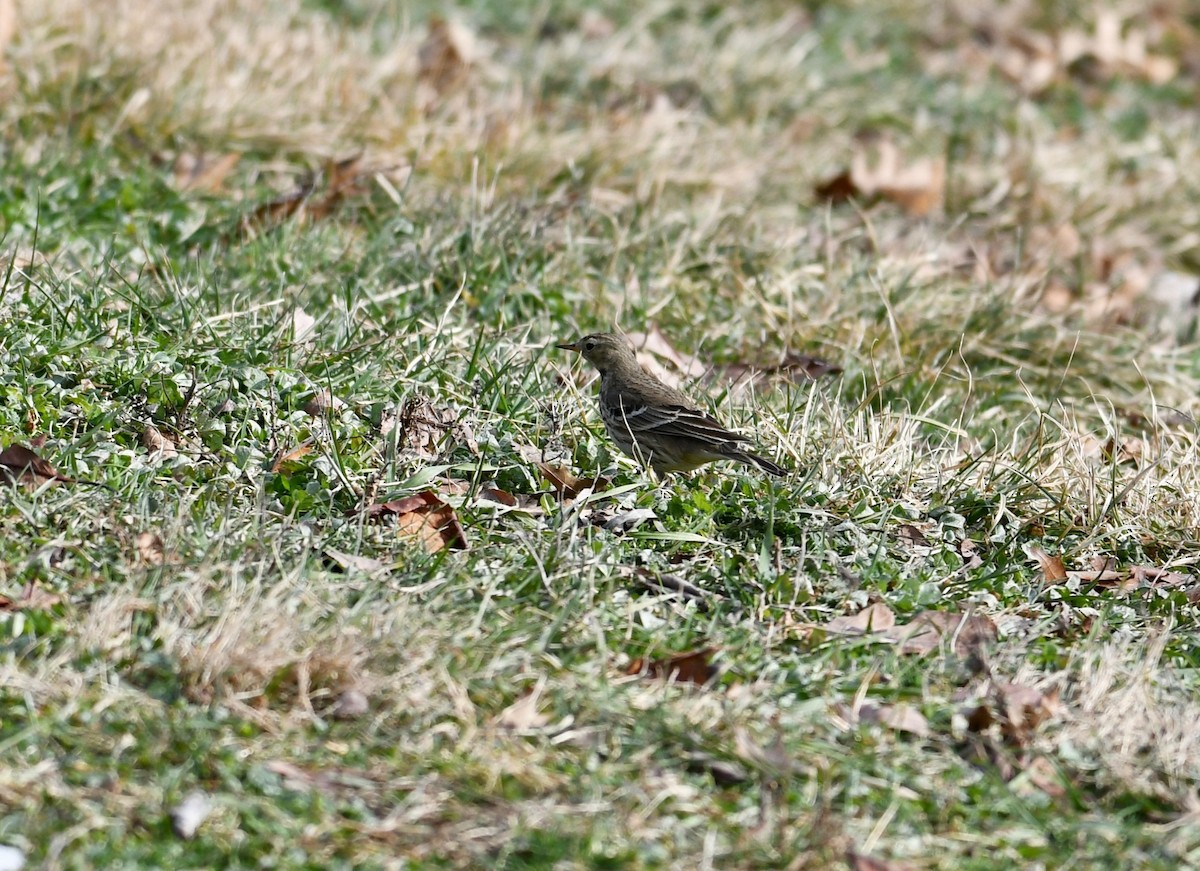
(326, 561)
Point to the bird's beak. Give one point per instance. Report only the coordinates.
(568, 346)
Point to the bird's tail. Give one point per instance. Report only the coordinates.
(762, 462)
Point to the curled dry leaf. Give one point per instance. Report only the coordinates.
(288, 459)
(1016, 708)
(882, 173)
(20, 465)
(968, 634)
(690, 667)
(876, 617)
(445, 56)
(32, 598)
(653, 347)
(351, 705)
(902, 718)
(423, 427)
(341, 561)
(150, 549)
(342, 181)
(667, 583)
(203, 172)
(157, 443)
(566, 484)
(862, 862)
(523, 714)
(1052, 566)
(424, 517)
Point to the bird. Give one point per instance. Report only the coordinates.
(653, 422)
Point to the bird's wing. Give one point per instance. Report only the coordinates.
(677, 421)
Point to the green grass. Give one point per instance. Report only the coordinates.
(639, 165)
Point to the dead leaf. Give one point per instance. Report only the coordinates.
(901, 718)
(350, 705)
(882, 173)
(424, 517)
(342, 180)
(150, 549)
(1114, 52)
(800, 368)
(8, 27)
(876, 617)
(722, 771)
(772, 760)
(625, 521)
(1052, 566)
(690, 667)
(445, 56)
(289, 458)
(861, 862)
(969, 634)
(838, 188)
(342, 561)
(667, 583)
(913, 536)
(32, 598)
(567, 485)
(201, 172)
(20, 465)
(523, 714)
(653, 346)
(157, 443)
(1016, 708)
(969, 551)
(423, 427)
(1154, 576)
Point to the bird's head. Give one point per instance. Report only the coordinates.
(605, 351)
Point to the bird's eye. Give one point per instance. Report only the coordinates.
(589, 346)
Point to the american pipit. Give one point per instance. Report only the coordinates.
(653, 422)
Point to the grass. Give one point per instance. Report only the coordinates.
(628, 165)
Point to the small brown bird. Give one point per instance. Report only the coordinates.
(652, 422)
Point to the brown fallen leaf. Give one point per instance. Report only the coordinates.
(653, 347)
(523, 714)
(20, 465)
(157, 443)
(902, 718)
(424, 517)
(32, 598)
(338, 560)
(838, 188)
(287, 459)
(567, 485)
(1052, 566)
(8, 27)
(862, 862)
(876, 617)
(202, 172)
(882, 173)
(150, 549)
(445, 56)
(1016, 708)
(423, 427)
(969, 634)
(669, 583)
(342, 180)
(690, 667)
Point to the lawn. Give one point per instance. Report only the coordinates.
(314, 552)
